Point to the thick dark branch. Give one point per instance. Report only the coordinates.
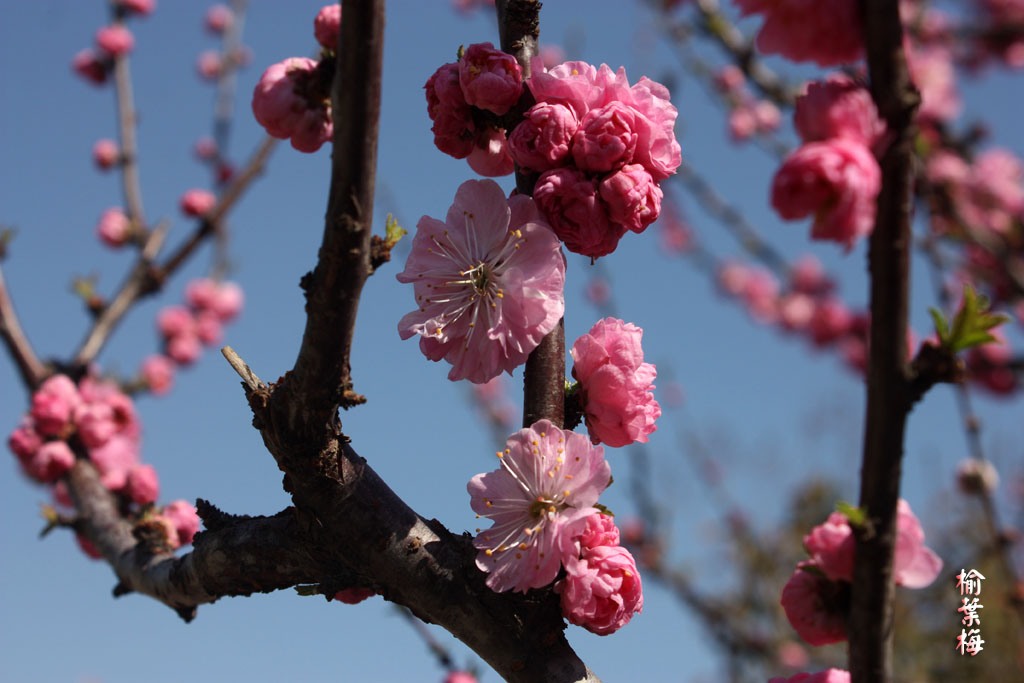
(126, 119)
(240, 556)
(31, 369)
(322, 369)
(888, 401)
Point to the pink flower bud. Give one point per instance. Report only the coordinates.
(826, 676)
(114, 228)
(453, 126)
(206, 148)
(729, 78)
(742, 123)
(197, 202)
(808, 276)
(570, 201)
(229, 301)
(218, 19)
(836, 108)
(490, 79)
(61, 495)
(54, 404)
(95, 423)
(140, 7)
(632, 197)
(87, 65)
(50, 462)
(143, 486)
(353, 596)
(815, 606)
(115, 459)
(327, 26)
(602, 590)
(184, 349)
(185, 519)
(106, 154)
(826, 32)
(115, 40)
(733, 276)
(201, 293)
(606, 138)
(541, 142)
(767, 116)
(460, 677)
(174, 321)
(831, 321)
(209, 65)
(158, 373)
(796, 311)
(284, 112)
(24, 441)
(490, 156)
(600, 530)
(208, 328)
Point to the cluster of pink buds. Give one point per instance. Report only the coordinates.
(212, 64)
(464, 101)
(833, 176)
(816, 597)
(541, 502)
(1000, 34)
(292, 100)
(186, 329)
(95, 65)
(986, 195)
(602, 148)
(748, 116)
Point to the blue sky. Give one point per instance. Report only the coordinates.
(57, 619)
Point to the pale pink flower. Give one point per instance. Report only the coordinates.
(327, 26)
(353, 596)
(229, 301)
(174, 321)
(105, 154)
(143, 486)
(838, 107)
(460, 677)
(285, 113)
(616, 385)
(90, 67)
(606, 138)
(185, 518)
(49, 462)
(114, 227)
(209, 65)
(218, 18)
(184, 349)
(837, 181)
(197, 202)
(114, 459)
(823, 31)
(490, 156)
(795, 311)
(209, 328)
(572, 84)
(632, 196)
(490, 79)
(815, 607)
(158, 373)
(541, 142)
(54, 404)
(488, 282)
(115, 40)
(601, 590)
(572, 205)
(826, 676)
(538, 499)
(141, 7)
(974, 475)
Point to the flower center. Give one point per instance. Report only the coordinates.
(544, 506)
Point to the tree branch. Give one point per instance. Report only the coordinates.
(29, 366)
(870, 623)
(129, 148)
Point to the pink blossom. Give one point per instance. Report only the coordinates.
(488, 282)
(54, 404)
(729, 78)
(600, 530)
(632, 197)
(95, 423)
(453, 127)
(974, 476)
(184, 349)
(89, 66)
(106, 154)
(197, 202)
(742, 123)
(141, 7)
(209, 65)
(115, 40)
(158, 373)
(606, 138)
(761, 295)
(24, 441)
(601, 590)
(114, 459)
(460, 677)
(218, 18)
(114, 227)
(830, 322)
(808, 276)
(538, 499)
(932, 71)
(795, 311)
(143, 486)
(327, 26)
(185, 518)
(206, 148)
(791, 655)
(572, 84)
(826, 31)
(837, 181)
(656, 146)
(541, 142)
(490, 79)
(732, 277)
(997, 176)
(831, 547)
(838, 107)
(570, 201)
(767, 115)
(815, 607)
(490, 156)
(285, 113)
(61, 495)
(174, 321)
(208, 328)
(201, 293)
(229, 301)
(615, 383)
(353, 596)
(598, 292)
(914, 565)
(49, 462)
(826, 676)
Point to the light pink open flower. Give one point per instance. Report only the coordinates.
(601, 590)
(488, 282)
(539, 500)
(615, 383)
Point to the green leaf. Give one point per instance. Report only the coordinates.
(603, 510)
(308, 589)
(941, 324)
(972, 323)
(393, 231)
(856, 515)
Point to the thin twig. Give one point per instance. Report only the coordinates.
(29, 366)
(127, 120)
(252, 381)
